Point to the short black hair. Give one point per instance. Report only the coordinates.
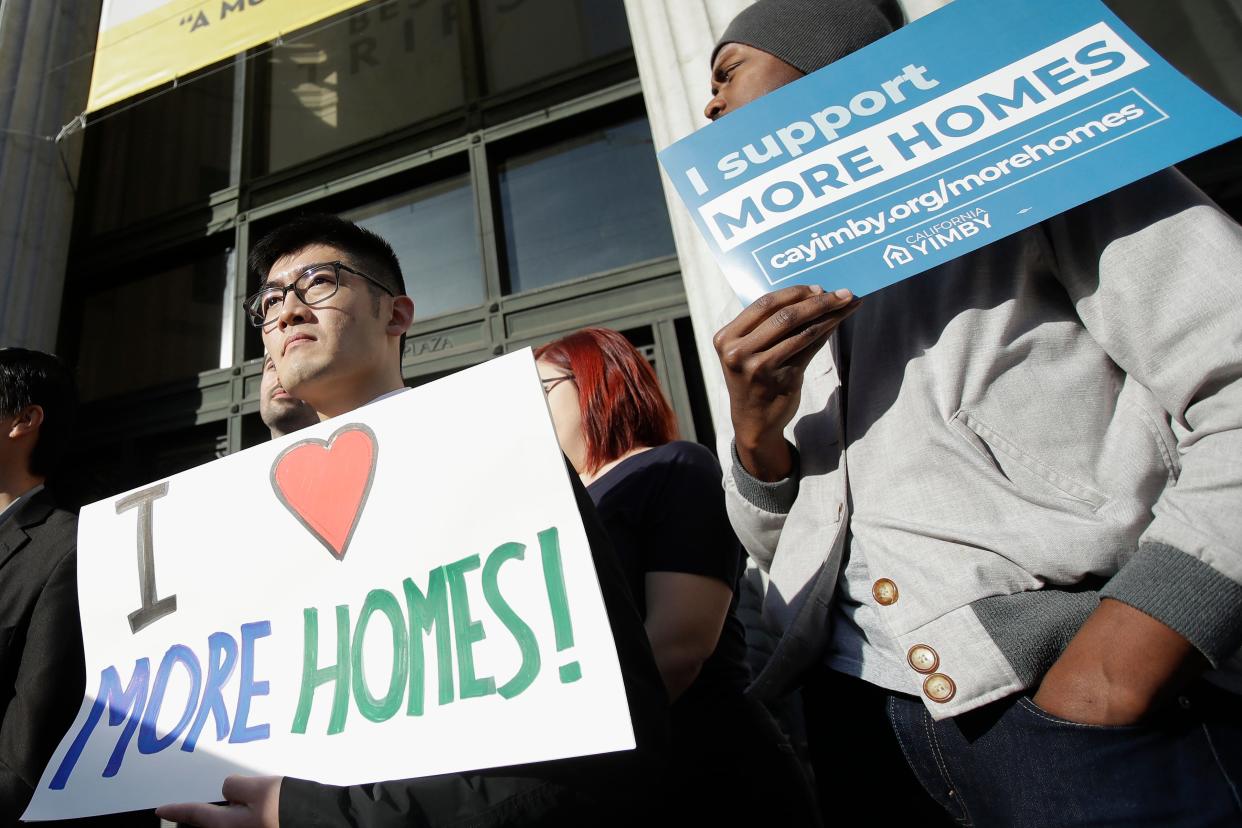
(367, 250)
(34, 378)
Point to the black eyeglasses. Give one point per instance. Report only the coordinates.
(315, 284)
(551, 382)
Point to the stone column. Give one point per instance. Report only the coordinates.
(45, 63)
(673, 40)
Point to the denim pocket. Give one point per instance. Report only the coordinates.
(1027, 705)
(1034, 769)
(1033, 479)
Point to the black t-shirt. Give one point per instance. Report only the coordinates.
(664, 509)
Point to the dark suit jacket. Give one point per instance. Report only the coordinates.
(42, 670)
(41, 665)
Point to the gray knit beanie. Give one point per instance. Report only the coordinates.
(807, 34)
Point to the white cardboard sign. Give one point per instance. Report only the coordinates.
(401, 591)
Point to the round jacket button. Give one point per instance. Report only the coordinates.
(923, 658)
(885, 592)
(939, 687)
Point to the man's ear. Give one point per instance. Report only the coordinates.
(402, 315)
(26, 423)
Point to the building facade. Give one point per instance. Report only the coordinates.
(507, 149)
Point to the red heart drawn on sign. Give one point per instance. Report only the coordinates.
(325, 484)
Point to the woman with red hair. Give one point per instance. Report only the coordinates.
(661, 501)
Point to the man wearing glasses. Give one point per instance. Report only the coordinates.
(333, 313)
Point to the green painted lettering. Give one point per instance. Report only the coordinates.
(466, 631)
(313, 675)
(381, 710)
(521, 632)
(426, 612)
(554, 579)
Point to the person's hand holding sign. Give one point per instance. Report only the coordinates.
(253, 802)
(763, 353)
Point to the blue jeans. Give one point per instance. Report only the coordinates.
(1011, 764)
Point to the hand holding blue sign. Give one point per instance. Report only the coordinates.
(964, 127)
(764, 352)
(785, 191)
(1001, 437)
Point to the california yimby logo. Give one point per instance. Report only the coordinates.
(937, 236)
(895, 255)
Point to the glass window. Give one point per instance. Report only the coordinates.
(525, 40)
(157, 327)
(643, 340)
(582, 206)
(435, 235)
(362, 74)
(157, 153)
(101, 470)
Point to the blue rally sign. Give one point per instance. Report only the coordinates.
(966, 126)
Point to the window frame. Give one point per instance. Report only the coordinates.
(644, 293)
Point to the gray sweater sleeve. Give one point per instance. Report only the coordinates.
(1153, 274)
(776, 497)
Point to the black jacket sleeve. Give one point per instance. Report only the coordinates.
(47, 688)
(42, 668)
(607, 789)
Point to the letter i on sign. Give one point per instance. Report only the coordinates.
(152, 609)
(696, 179)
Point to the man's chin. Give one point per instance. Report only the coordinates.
(310, 388)
(297, 375)
(288, 406)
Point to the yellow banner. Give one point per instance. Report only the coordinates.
(147, 43)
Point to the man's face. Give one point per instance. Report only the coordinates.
(280, 411)
(743, 73)
(331, 343)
